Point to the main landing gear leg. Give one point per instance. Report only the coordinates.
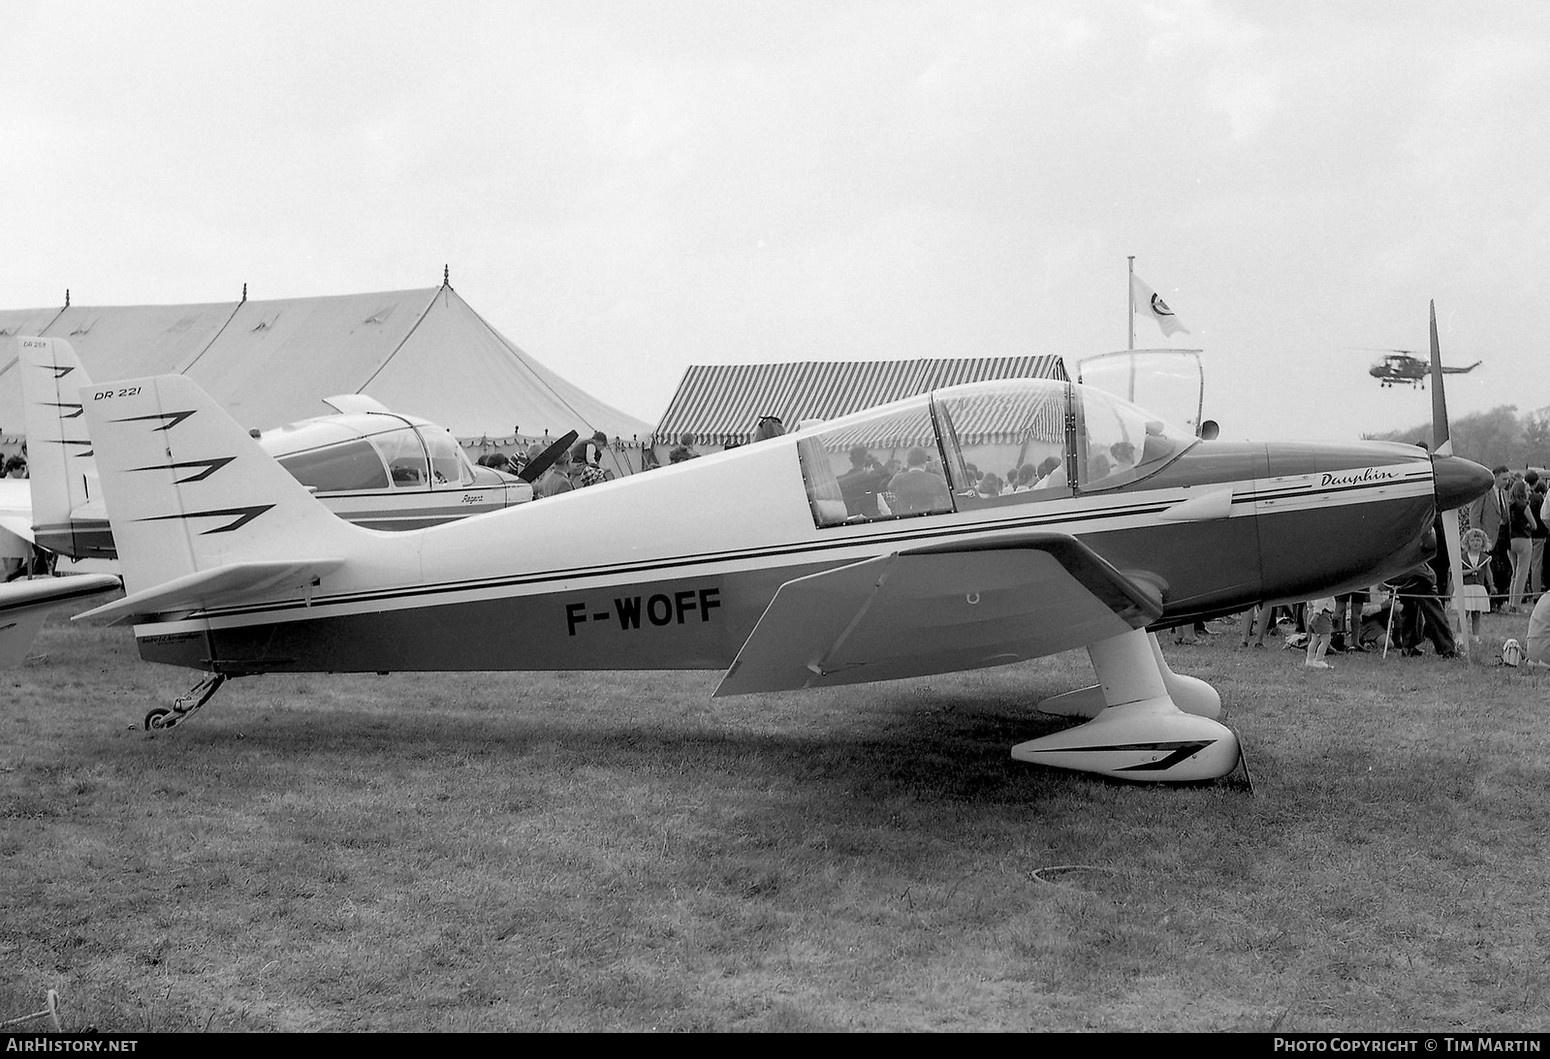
(1141, 734)
(1190, 694)
(198, 695)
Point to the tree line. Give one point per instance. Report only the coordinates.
(1499, 437)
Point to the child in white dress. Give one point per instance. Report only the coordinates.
(1476, 570)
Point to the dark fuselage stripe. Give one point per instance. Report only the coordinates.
(932, 529)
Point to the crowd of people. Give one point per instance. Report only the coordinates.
(570, 469)
(1502, 570)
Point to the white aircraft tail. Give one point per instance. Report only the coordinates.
(59, 450)
(201, 514)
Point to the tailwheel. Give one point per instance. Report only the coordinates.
(184, 705)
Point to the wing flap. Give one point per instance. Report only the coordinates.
(938, 609)
(231, 583)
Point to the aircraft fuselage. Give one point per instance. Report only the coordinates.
(673, 569)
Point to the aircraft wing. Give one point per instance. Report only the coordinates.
(213, 587)
(24, 604)
(939, 609)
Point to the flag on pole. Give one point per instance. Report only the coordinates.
(1147, 302)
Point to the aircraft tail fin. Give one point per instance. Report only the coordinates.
(189, 492)
(62, 469)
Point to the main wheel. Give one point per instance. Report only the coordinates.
(156, 720)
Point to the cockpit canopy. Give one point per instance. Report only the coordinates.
(981, 445)
(373, 450)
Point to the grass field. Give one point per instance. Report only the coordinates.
(620, 852)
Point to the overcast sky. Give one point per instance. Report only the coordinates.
(627, 187)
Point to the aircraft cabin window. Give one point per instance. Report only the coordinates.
(880, 465)
(404, 453)
(1121, 443)
(338, 468)
(1008, 438)
(447, 464)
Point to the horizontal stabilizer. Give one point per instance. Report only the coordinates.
(938, 609)
(232, 583)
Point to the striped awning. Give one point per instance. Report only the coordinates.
(722, 403)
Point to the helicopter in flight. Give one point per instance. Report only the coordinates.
(1406, 366)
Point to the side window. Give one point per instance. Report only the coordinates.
(1010, 438)
(338, 468)
(1120, 443)
(887, 466)
(405, 457)
(446, 463)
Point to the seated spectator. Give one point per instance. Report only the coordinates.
(1052, 473)
(861, 484)
(990, 485)
(684, 451)
(768, 427)
(1377, 618)
(916, 489)
(1098, 468)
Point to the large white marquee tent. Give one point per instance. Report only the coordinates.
(421, 352)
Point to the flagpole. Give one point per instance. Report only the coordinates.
(1131, 318)
(1130, 293)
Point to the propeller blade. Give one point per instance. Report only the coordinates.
(1442, 446)
(542, 462)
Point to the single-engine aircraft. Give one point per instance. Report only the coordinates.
(805, 561)
(367, 464)
(1407, 366)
